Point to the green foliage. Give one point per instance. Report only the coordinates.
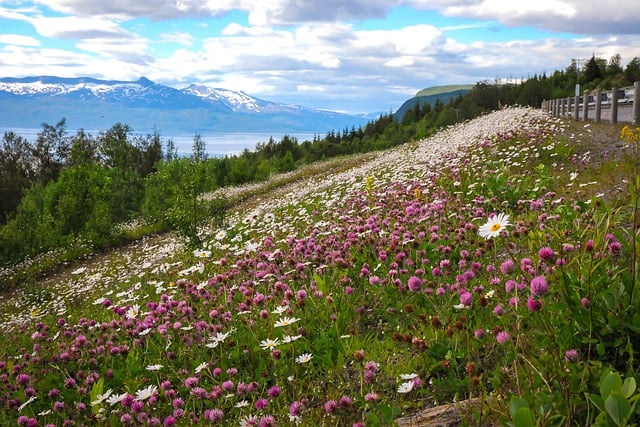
(616, 402)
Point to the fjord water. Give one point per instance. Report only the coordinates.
(218, 144)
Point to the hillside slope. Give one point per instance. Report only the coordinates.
(430, 95)
(488, 261)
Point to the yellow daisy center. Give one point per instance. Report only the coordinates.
(495, 227)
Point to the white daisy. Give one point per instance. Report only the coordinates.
(288, 338)
(405, 387)
(156, 367)
(269, 344)
(133, 311)
(304, 358)
(280, 310)
(201, 366)
(21, 407)
(101, 397)
(494, 226)
(146, 393)
(242, 404)
(285, 321)
(201, 253)
(408, 376)
(116, 398)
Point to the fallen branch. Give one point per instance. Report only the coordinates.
(440, 416)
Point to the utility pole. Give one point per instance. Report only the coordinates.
(577, 62)
(576, 97)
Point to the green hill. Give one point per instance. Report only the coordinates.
(443, 90)
(430, 95)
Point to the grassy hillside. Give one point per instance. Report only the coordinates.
(432, 95)
(437, 90)
(492, 261)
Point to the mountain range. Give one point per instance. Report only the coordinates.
(146, 106)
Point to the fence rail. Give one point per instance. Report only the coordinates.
(615, 105)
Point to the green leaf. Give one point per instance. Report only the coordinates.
(372, 419)
(96, 390)
(515, 404)
(523, 418)
(628, 387)
(597, 401)
(618, 408)
(612, 382)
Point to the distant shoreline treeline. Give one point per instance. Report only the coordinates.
(62, 189)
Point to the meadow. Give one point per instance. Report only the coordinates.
(494, 262)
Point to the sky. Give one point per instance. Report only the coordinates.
(353, 56)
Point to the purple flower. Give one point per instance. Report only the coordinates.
(502, 337)
(22, 379)
(507, 267)
(479, 333)
(345, 402)
(268, 421)
(414, 284)
(273, 392)
(589, 245)
(585, 302)
(261, 404)
(213, 415)
(533, 305)
(546, 253)
(330, 406)
(466, 298)
(296, 408)
(497, 310)
(539, 286)
(571, 355)
(615, 248)
(371, 397)
(190, 382)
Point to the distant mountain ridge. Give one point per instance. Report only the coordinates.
(430, 95)
(144, 105)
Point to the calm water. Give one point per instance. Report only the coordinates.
(217, 143)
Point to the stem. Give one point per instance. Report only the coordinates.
(634, 226)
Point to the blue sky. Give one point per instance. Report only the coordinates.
(356, 56)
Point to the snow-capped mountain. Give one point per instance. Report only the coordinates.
(142, 104)
(237, 101)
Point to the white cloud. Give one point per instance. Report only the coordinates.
(20, 40)
(182, 38)
(320, 58)
(571, 16)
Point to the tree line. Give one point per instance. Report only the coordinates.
(64, 188)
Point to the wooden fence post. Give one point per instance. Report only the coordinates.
(636, 104)
(614, 106)
(576, 107)
(598, 105)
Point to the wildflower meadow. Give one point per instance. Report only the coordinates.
(495, 261)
